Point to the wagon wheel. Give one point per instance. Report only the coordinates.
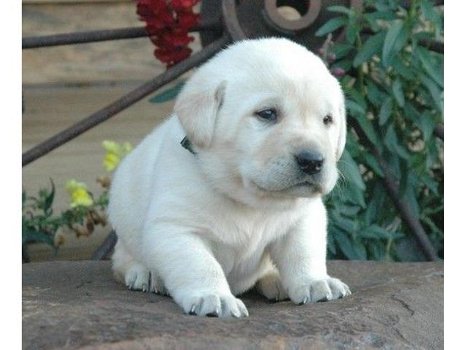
(297, 20)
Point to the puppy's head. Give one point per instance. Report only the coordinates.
(267, 121)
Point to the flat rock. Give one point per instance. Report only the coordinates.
(78, 305)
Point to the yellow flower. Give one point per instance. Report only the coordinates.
(115, 153)
(111, 161)
(78, 193)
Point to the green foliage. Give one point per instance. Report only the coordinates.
(394, 90)
(41, 225)
(168, 94)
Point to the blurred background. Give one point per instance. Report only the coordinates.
(64, 84)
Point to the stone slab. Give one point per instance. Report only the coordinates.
(78, 305)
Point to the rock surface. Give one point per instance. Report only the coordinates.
(78, 305)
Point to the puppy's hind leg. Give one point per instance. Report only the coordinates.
(134, 274)
(270, 286)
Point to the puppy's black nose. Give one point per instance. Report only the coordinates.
(310, 162)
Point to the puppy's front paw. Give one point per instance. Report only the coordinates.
(139, 278)
(316, 290)
(214, 305)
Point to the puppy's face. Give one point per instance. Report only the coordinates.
(274, 126)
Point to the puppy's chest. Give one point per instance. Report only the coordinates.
(248, 235)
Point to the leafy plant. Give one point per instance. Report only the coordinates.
(393, 81)
(41, 225)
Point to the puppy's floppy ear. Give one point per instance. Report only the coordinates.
(197, 107)
(342, 132)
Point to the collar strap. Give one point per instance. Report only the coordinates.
(187, 145)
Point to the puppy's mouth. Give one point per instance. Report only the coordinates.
(300, 189)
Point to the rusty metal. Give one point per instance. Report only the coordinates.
(250, 19)
(100, 35)
(272, 11)
(229, 14)
(83, 37)
(123, 102)
(106, 247)
(439, 131)
(433, 45)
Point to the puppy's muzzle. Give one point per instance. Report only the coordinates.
(309, 161)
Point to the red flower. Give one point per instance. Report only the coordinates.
(188, 19)
(168, 23)
(183, 5)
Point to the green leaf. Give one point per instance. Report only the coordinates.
(393, 143)
(373, 163)
(376, 202)
(398, 92)
(346, 246)
(342, 50)
(394, 40)
(331, 25)
(411, 112)
(377, 251)
(351, 32)
(352, 194)
(360, 250)
(340, 9)
(386, 111)
(168, 95)
(429, 65)
(411, 199)
(49, 199)
(349, 210)
(369, 48)
(428, 11)
(408, 185)
(344, 223)
(427, 125)
(407, 249)
(404, 70)
(30, 236)
(354, 108)
(430, 183)
(377, 15)
(375, 232)
(368, 128)
(331, 245)
(435, 92)
(358, 97)
(394, 162)
(351, 171)
(375, 95)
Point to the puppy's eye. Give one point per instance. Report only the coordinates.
(328, 119)
(269, 114)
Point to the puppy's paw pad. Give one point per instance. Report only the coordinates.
(215, 305)
(319, 290)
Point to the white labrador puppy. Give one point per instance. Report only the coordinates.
(238, 204)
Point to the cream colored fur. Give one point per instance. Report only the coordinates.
(204, 228)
